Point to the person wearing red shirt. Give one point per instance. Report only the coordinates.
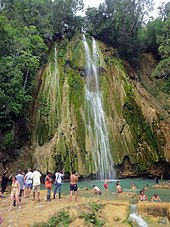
(48, 185)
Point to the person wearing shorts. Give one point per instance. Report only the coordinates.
(105, 184)
(36, 175)
(97, 190)
(28, 183)
(73, 185)
(36, 188)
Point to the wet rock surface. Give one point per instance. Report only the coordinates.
(165, 185)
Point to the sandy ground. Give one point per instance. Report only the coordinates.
(34, 211)
(114, 213)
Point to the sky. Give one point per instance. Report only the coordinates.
(95, 3)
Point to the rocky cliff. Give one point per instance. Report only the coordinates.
(138, 125)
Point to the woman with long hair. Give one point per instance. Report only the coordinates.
(15, 191)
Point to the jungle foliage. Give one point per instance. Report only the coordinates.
(28, 28)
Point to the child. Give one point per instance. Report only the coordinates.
(48, 185)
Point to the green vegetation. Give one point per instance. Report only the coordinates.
(91, 217)
(60, 220)
(29, 29)
(144, 138)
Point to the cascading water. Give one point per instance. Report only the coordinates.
(135, 217)
(57, 82)
(95, 117)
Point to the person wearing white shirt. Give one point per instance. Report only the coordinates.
(36, 175)
(28, 183)
(58, 179)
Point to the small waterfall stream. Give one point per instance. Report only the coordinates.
(57, 82)
(135, 217)
(95, 122)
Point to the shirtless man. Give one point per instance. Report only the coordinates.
(97, 190)
(118, 188)
(73, 184)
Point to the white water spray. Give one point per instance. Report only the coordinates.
(57, 82)
(95, 119)
(135, 217)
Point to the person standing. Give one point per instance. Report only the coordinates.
(4, 182)
(156, 180)
(48, 185)
(20, 179)
(106, 184)
(73, 185)
(23, 192)
(28, 183)
(15, 193)
(36, 175)
(118, 188)
(58, 178)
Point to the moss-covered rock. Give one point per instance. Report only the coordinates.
(59, 136)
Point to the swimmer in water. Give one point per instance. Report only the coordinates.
(155, 198)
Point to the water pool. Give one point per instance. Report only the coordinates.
(140, 183)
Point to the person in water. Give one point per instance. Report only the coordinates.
(133, 187)
(146, 187)
(97, 190)
(142, 196)
(73, 185)
(155, 198)
(106, 184)
(118, 188)
(15, 191)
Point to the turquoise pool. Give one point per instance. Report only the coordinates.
(140, 183)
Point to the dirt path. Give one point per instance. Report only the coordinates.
(33, 212)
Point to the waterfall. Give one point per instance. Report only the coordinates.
(57, 82)
(95, 117)
(135, 217)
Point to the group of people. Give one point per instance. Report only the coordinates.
(49, 179)
(22, 184)
(141, 197)
(97, 190)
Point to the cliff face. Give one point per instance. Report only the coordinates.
(138, 127)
